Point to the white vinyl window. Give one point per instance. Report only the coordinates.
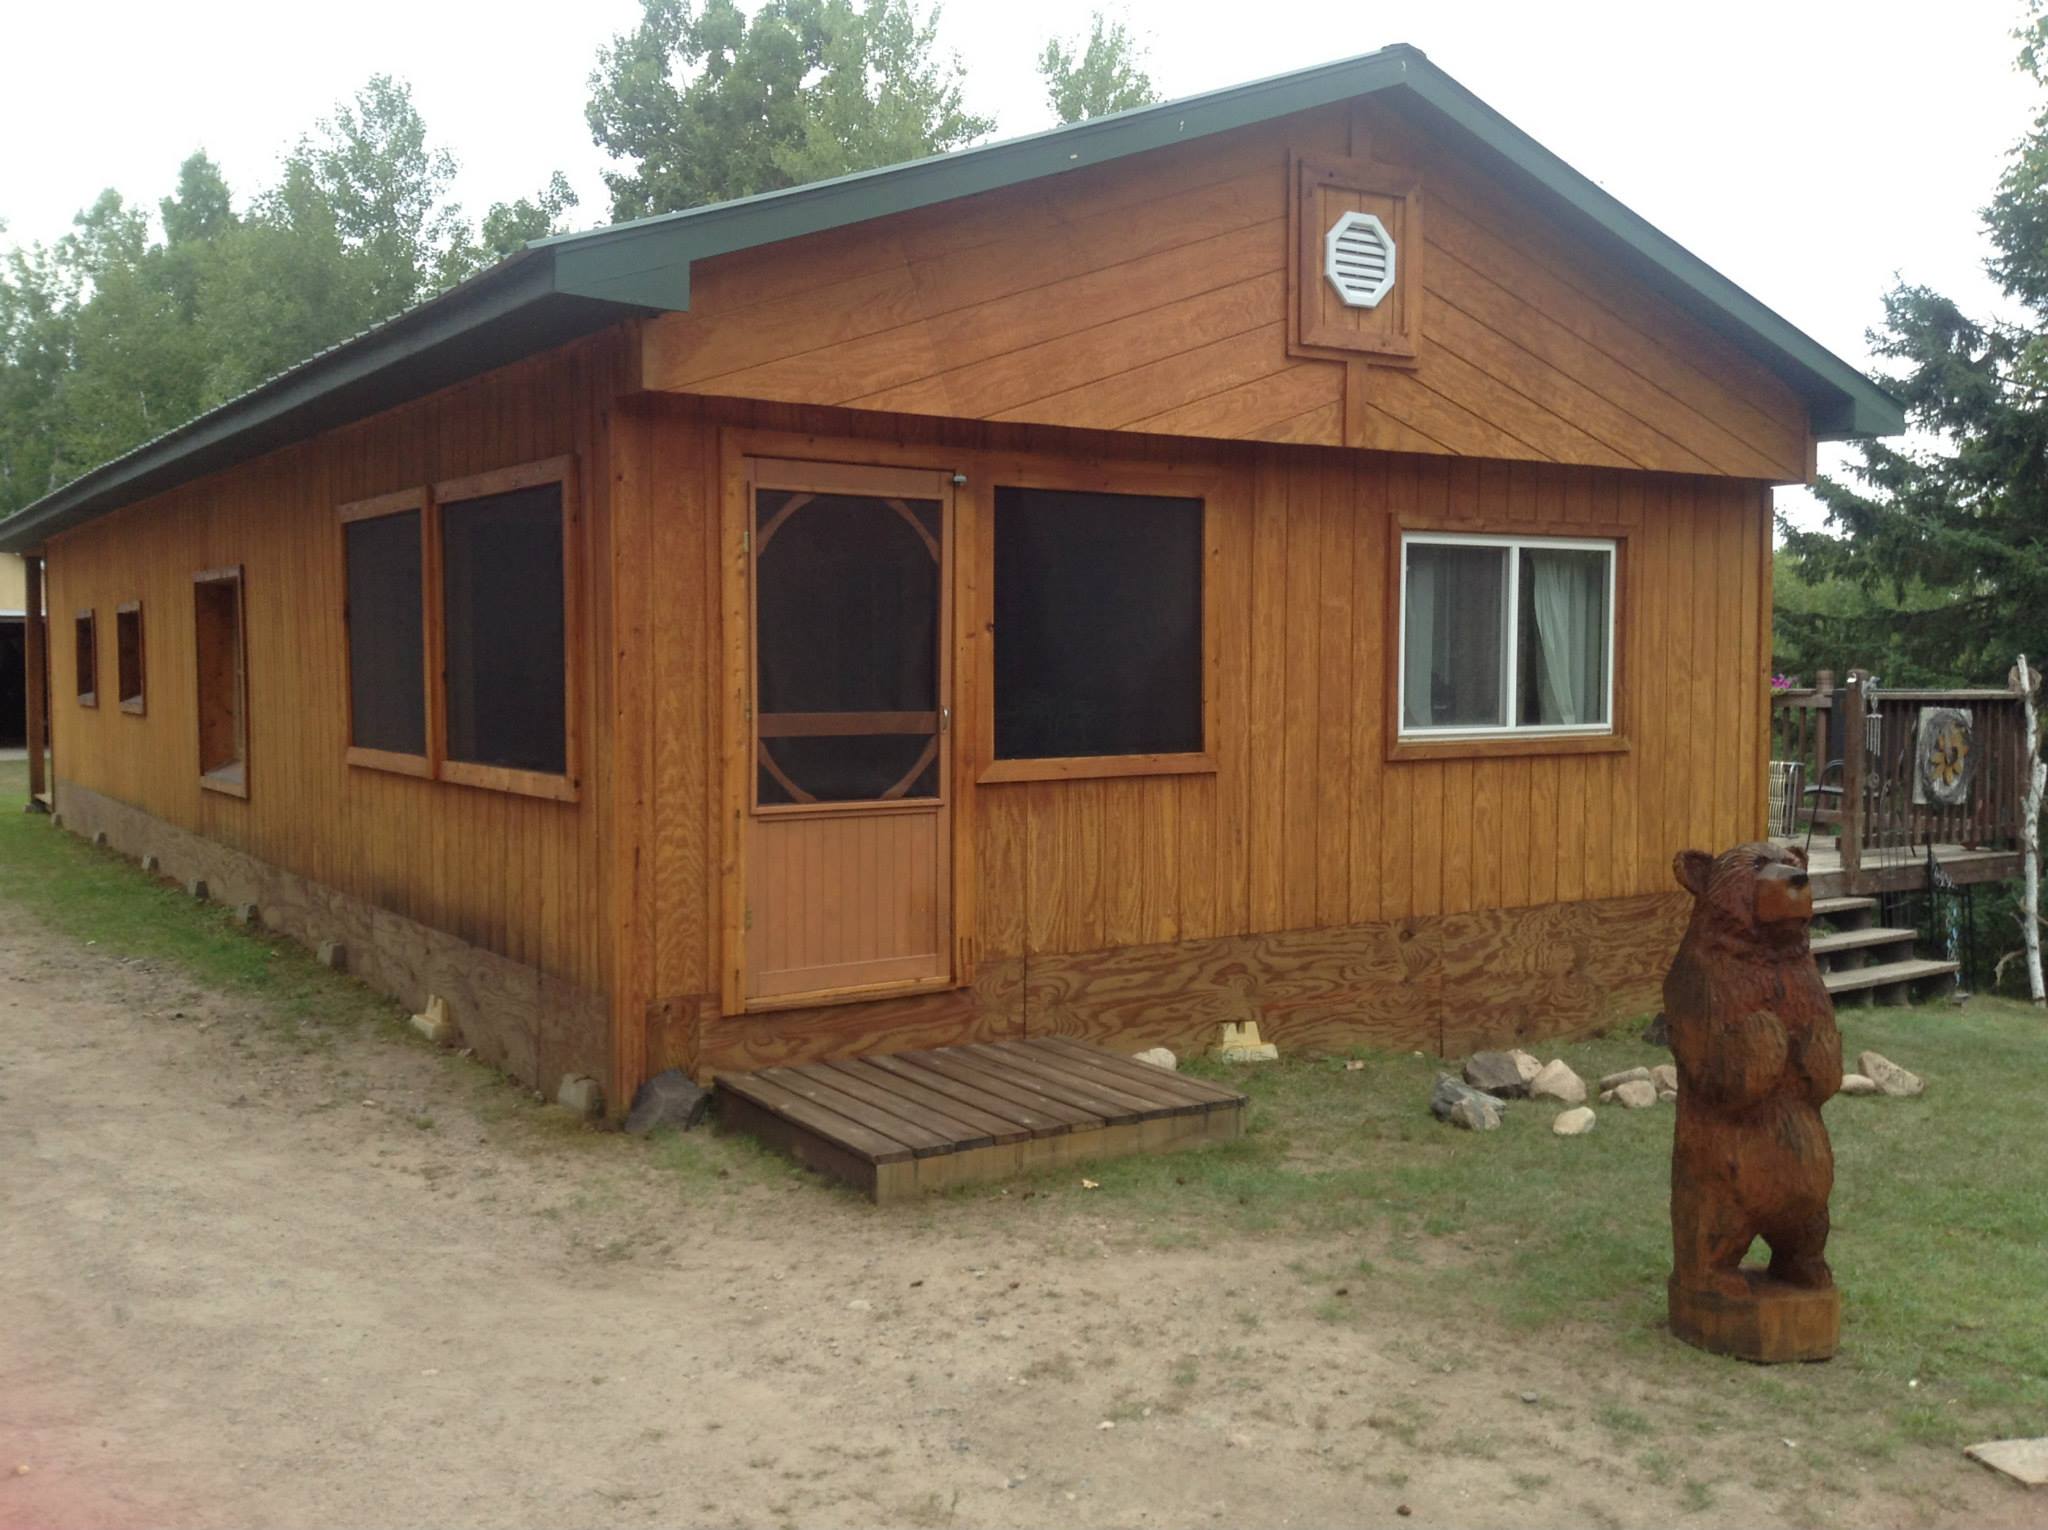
(1506, 635)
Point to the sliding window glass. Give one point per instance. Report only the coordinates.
(1506, 635)
(383, 545)
(505, 587)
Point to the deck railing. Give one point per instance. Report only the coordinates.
(1864, 740)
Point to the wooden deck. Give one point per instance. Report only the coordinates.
(1892, 870)
(898, 1126)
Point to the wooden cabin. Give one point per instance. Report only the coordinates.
(1297, 554)
(13, 652)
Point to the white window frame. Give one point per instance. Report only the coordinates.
(1510, 650)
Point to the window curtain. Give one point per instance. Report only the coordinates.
(1568, 592)
(1420, 665)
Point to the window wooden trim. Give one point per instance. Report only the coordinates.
(87, 686)
(1612, 739)
(567, 786)
(230, 780)
(136, 705)
(399, 502)
(1140, 481)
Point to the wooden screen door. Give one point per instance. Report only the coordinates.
(849, 854)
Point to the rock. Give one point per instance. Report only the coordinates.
(1557, 1082)
(1626, 1076)
(1159, 1057)
(332, 953)
(1476, 1113)
(1462, 1105)
(2025, 1461)
(1658, 1032)
(1668, 1096)
(436, 1024)
(668, 1100)
(1498, 1074)
(1665, 1076)
(580, 1096)
(860, 1304)
(1889, 1077)
(1858, 1083)
(1636, 1093)
(1573, 1123)
(1526, 1064)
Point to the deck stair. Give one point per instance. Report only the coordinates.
(1863, 962)
(897, 1126)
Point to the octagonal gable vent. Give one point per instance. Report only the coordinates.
(1358, 258)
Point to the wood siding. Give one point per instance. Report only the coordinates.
(1153, 295)
(519, 876)
(1305, 824)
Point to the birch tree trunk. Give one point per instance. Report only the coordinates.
(2030, 840)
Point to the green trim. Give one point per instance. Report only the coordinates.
(573, 284)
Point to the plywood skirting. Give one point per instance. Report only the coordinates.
(533, 1026)
(1447, 985)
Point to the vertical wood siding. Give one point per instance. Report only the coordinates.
(1305, 824)
(520, 876)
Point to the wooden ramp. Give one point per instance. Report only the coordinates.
(899, 1126)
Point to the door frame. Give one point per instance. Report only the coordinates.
(851, 465)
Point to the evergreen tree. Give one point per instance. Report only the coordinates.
(1961, 515)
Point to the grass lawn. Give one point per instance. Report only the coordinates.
(1940, 1207)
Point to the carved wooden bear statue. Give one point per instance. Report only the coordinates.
(1753, 1031)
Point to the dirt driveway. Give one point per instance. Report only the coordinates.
(250, 1279)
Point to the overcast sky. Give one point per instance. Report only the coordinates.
(1813, 152)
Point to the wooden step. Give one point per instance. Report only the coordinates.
(1824, 908)
(1889, 975)
(1856, 940)
(900, 1125)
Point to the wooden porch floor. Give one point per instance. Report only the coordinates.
(898, 1126)
(1901, 870)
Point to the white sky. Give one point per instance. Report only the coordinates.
(1811, 151)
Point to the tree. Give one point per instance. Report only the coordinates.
(1104, 75)
(1964, 516)
(706, 105)
(118, 333)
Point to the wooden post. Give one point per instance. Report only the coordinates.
(35, 658)
(2030, 838)
(1854, 766)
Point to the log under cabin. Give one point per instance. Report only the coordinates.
(1299, 553)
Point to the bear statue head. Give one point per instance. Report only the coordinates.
(1761, 889)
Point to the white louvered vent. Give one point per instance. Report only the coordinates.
(1358, 258)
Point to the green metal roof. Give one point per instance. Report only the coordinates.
(574, 284)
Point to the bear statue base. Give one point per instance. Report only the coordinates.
(1774, 1323)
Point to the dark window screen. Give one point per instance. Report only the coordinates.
(501, 577)
(846, 640)
(386, 634)
(1098, 605)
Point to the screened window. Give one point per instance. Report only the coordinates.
(85, 660)
(385, 614)
(128, 655)
(1506, 635)
(1098, 624)
(222, 681)
(503, 589)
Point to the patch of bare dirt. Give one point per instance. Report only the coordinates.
(248, 1281)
